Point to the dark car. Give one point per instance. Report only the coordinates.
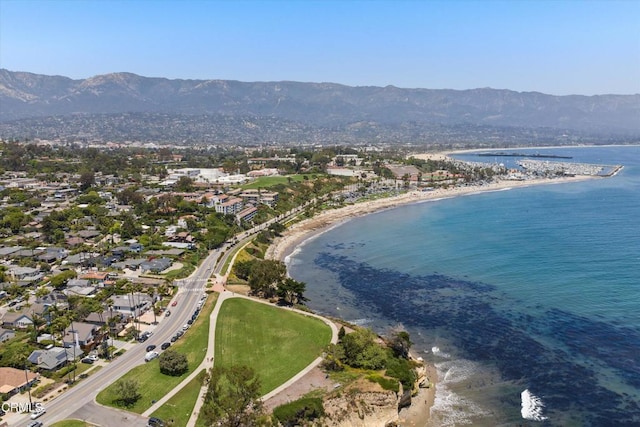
(190, 322)
(150, 348)
(155, 422)
(174, 338)
(165, 345)
(88, 361)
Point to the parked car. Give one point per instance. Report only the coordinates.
(155, 422)
(151, 348)
(39, 411)
(150, 356)
(34, 424)
(167, 313)
(173, 304)
(174, 338)
(165, 345)
(87, 360)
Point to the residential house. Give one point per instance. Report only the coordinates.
(98, 278)
(19, 273)
(53, 254)
(7, 251)
(182, 221)
(6, 334)
(156, 265)
(81, 283)
(53, 358)
(82, 291)
(17, 320)
(14, 381)
(130, 305)
(81, 334)
(107, 317)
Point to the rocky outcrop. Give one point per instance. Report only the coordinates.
(363, 410)
(362, 404)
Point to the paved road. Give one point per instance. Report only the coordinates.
(79, 401)
(70, 403)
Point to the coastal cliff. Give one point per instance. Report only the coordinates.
(361, 404)
(366, 404)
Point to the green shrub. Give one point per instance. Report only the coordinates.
(402, 370)
(386, 383)
(294, 413)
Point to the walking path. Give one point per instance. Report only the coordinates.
(316, 362)
(208, 359)
(207, 363)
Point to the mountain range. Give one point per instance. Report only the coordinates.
(57, 106)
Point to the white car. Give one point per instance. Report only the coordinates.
(40, 410)
(150, 356)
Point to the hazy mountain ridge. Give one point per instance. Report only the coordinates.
(317, 105)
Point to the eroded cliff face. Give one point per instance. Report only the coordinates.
(362, 404)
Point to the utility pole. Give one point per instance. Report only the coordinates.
(26, 375)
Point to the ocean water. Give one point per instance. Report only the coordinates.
(527, 301)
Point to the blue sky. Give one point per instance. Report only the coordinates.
(556, 47)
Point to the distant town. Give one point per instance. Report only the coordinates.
(93, 239)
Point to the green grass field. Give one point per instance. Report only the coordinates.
(180, 406)
(276, 342)
(71, 423)
(153, 385)
(269, 181)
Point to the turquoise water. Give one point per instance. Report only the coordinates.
(534, 289)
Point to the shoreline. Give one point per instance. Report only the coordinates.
(418, 414)
(300, 232)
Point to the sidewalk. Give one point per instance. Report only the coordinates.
(316, 362)
(208, 359)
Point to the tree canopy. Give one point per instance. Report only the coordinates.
(233, 397)
(173, 363)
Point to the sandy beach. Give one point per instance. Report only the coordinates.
(418, 413)
(301, 231)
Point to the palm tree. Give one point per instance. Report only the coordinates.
(152, 293)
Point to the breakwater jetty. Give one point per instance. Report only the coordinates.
(546, 168)
(535, 155)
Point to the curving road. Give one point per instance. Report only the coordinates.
(79, 401)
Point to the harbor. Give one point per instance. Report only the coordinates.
(547, 168)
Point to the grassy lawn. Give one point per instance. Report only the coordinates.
(71, 423)
(152, 384)
(269, 181)
(242, 256)
(276, 342)
(180, 406)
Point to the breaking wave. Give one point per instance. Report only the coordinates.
(532, 407)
